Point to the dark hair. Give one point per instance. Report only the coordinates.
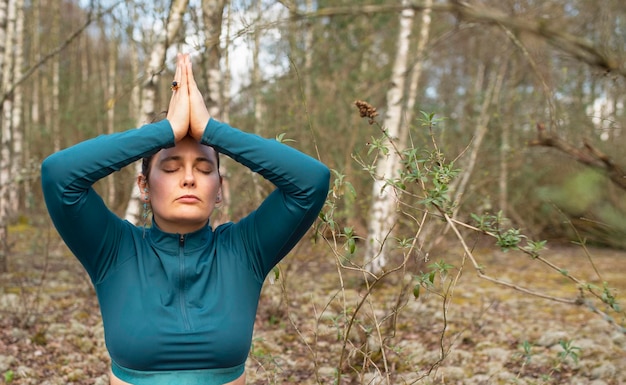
(145, 163)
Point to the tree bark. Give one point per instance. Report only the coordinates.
(17, 133)
(383, 207)
(212, 14)
(35, 106)
(6, 135)
(149, 90)
(55, 128)
(212, 17)
(416, 72)
(256, 97)
(7, 24)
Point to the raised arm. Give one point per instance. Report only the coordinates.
(89, 229)
(286, 214)
(302, 182)
(86, 225)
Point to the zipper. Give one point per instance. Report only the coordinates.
(182, 279)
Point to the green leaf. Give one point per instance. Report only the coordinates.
(351, 245)
(9, 375)
(416, 291)
(280, 138)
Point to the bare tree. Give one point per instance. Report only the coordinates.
(10, 134)
(212, 14)
(17, 133)
(212, 18)
(149, 88)
(7, 27)
(383, 213)
(55, 116)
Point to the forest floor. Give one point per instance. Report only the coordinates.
(51, 332)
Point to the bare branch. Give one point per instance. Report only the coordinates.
(90, 19)
(587, 155)
(580, 48)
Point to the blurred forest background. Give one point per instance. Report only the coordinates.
(493, 71)
(530, 95)
(439, 119)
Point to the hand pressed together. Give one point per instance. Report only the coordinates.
(187, 112)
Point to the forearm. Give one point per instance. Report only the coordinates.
(79, 166)
(292, 171)
(302, 182)
(84, 222)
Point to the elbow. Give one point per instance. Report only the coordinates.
(50, 172)
(321, 182)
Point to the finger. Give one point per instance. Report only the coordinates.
(190, 79)
(179, 67)
(176, 82)
(184, 69)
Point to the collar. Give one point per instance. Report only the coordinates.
(171, 242)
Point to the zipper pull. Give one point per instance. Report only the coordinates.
(181, 240)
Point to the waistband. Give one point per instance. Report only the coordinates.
(218, 376)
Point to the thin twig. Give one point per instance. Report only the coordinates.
(90, 19)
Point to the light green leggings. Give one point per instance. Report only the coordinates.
(178, 377)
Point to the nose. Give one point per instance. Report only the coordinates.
(189, 179)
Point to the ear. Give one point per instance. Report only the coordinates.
(142, 183)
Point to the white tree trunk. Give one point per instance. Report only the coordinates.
(55, 117)
(6, 178)
(258, 107)
(17, 136)
(212, 13)
(212, 16)
(416, 72)
(35, 107)
(383, 209)
(149, 91)
(7, 20)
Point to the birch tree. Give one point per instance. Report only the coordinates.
(7, 18)
(55, 116)
(149, 89)
(35, 107)
(7, 110)
(256, 96)
(212, 14)
(215, 93)
(11, 138)
(382, 215)
(17, 136)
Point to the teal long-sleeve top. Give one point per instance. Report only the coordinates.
(180, 301)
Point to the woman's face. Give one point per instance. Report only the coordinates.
(183, 187)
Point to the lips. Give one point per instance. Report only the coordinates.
(188, 199)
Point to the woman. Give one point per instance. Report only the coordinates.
(179, 299)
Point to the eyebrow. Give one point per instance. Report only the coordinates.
(177, 158)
